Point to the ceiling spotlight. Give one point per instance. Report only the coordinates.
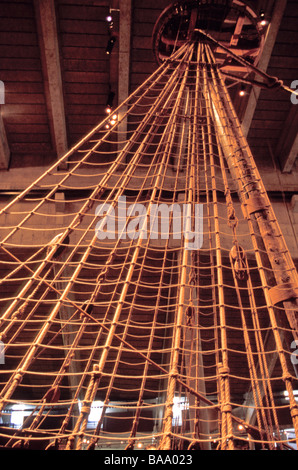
(242, 92)
(110, 45)
(110, 99)
(263, 20)
(139, 445)
(109, 20)
(108, 109)
(115, 117)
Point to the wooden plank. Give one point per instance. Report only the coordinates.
(145, 4)
(84, 27)
(287, 147)
(289, 24)
(262, 133)
(24, 87)
(83, 12)
(137, 79)
(258, 142)
(87, 99)
(281, 62)
(286, 75)
(80, 52)
(85, 88)
(30, 119)
(21, 76)
(32, 147)
(86, 77)
(17, 10)
(92, 119)
(80, 129)
(35, 138)
(84, 65)
(274, 105)
(277, 95)
(273, 29)
(283, 50)
(47, 29)
(143, 29)
(287, 37)
(24, 109)
(85, 40)
(87, 3)
(143, 55)
(85, 109)
(4, 147)
(138, 67)
(26, 128)
(276, 115)
(17, 52)
(20, 64)
(145, 43)
(268, 124)
(18, 25)
(25, 98)
(17, 38)
(292, 10)
(125, 17)
(146, 16)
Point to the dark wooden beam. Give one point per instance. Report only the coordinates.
(4, 147)
(273, 28)
(287, 147)
(124, 59)
(50, 58)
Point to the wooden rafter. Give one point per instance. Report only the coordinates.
(49, 49)
(124, 53)
(287, 147)
(4, 147)
(273, 29)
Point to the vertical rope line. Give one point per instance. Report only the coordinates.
(269, 226)
(95, 293)
(94, 194)
(262, 362)
(224, 371)
(25, 362)
(82, 421)
(131, 440)
(173, 373)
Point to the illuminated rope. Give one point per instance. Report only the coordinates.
(139, 324)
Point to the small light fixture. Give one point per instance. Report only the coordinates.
(109, 18)
(110, 100)
(110, 45)
(139, 445)
(242, 91)
(263, 21)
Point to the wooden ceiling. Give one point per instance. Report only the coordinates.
(57, 75)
